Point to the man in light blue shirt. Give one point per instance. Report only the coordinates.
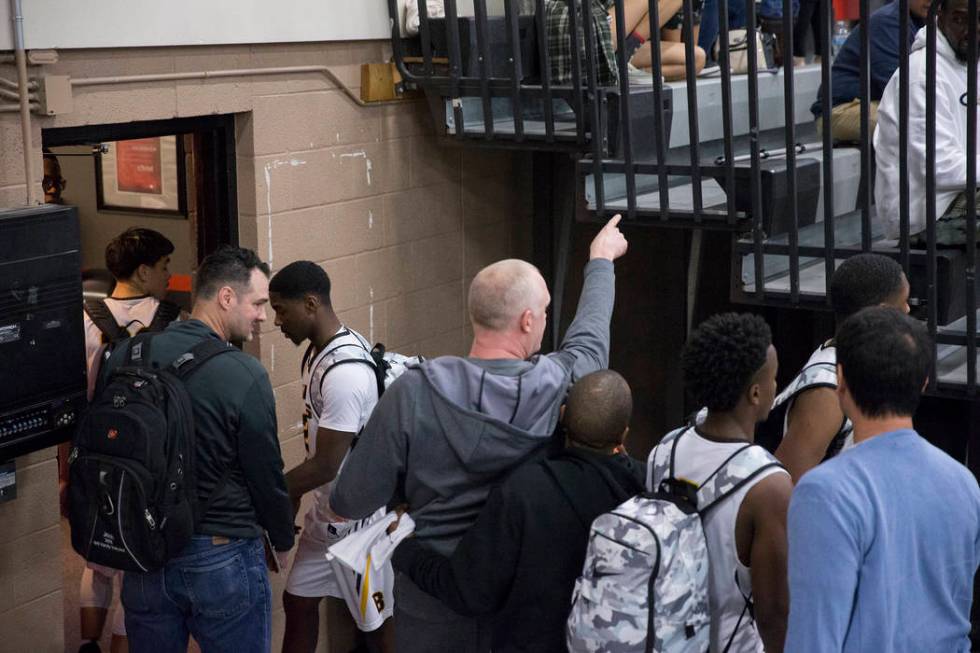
(884, 539)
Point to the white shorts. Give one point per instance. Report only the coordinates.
(369, 598)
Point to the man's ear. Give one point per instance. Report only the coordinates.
(142, 273)
(225, 297)
(753, 394)
(527, 319)
(842, 382)
(312, 303)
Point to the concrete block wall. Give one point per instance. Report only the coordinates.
(400, 222)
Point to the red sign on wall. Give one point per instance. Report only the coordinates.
(138, 167)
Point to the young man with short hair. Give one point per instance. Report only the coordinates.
(519, 561)
(138, 259)
(217, 588)
(730, 367)
(339, 398)
(812, 424)
(884, 539)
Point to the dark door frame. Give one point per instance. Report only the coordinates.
(215, 162)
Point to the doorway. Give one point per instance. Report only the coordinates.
(176, 177)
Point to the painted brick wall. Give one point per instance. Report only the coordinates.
(399, 221)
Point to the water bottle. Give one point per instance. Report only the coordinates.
(842, 30)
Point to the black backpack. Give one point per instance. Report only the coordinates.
(112, 331)
(132, 487)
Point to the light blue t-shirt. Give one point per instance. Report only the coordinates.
(884, 541)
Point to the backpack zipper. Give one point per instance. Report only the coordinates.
(122, 537)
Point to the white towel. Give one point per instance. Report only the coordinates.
(372, 543)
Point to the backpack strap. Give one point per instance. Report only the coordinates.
(98, 311)
(188, 363)
(745, 464)
(378, 373)
(166, 313)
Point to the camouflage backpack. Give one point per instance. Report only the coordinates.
(644, 585)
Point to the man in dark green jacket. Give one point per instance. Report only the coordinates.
(519, 561)
(217, 588)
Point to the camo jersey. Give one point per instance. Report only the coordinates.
(820, 371)
(723, 472)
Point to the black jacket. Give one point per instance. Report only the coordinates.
(235, 424)
(520, 559)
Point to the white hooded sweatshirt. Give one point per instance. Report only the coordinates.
(950, 119)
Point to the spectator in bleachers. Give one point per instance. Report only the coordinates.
(810, 419)
(448, 430)
(730, 367)
(884, 540)
(638, 44)
(950, 118)
(845, 119)
(520, 559)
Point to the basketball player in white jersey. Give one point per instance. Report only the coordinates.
(340, 391)
(730, 366)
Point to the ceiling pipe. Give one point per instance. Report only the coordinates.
(20, 58)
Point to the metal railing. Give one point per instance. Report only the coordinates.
(665, 186)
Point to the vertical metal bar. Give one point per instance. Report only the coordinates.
(426, 37)
(755, 177)
(597, 129)
(971, 205)
(826, 109)
(576, 51)
(455, 63)
(726, 109)
(691, 77)
(866, 153)
(789, 102)
(931, 307)
(653, 11)
(514, 43)
(483, 45)
(903, 136)
(624, 110)
(544, 61)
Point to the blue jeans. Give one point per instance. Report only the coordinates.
(219, 593)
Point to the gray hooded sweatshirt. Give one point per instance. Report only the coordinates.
(448, 430)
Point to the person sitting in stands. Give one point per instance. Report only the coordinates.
(950, 117)
(845, 118)
(558, 21)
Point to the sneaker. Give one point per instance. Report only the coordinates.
(90, 647)
(638, 76)
(710, 70)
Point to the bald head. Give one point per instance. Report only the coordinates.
(598, 410)
(502, 292)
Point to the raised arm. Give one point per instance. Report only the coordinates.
(585, 347)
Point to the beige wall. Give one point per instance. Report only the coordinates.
(400, 222)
